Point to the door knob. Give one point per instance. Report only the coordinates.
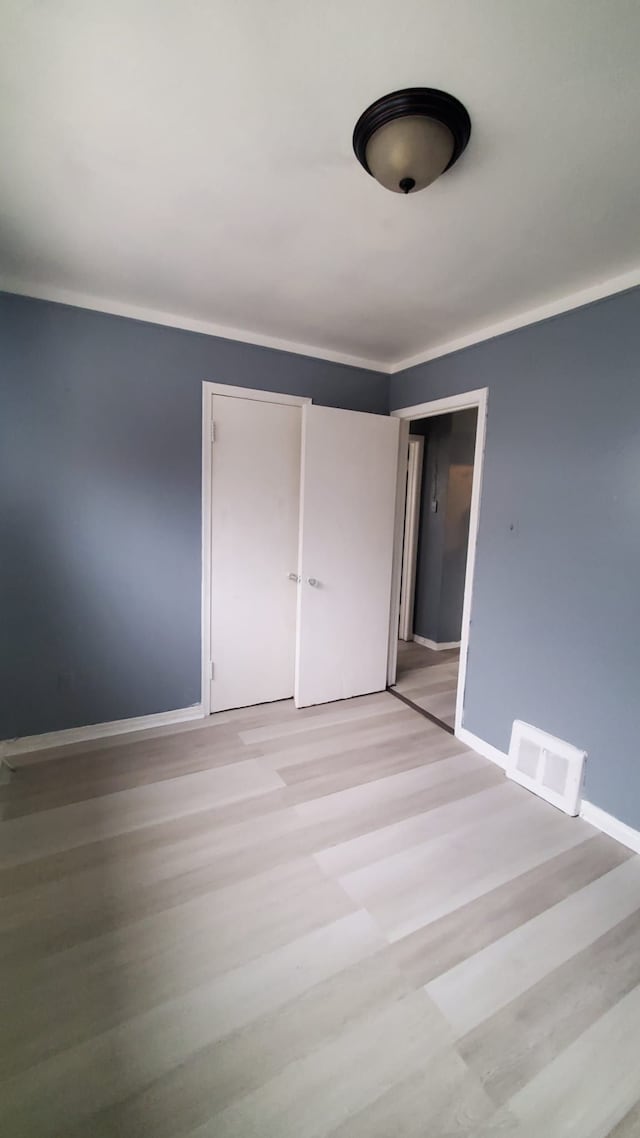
(294, 577)
(313, 582)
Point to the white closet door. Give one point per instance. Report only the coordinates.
(255, 504)
(349, 470)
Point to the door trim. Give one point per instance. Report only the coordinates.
(208, 390)
(256, 393)
(464, 401)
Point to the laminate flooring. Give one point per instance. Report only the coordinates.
(297, 924)
(429, 678)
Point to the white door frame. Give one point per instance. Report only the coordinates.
(209, 389)
(410, 542)
(465, 401)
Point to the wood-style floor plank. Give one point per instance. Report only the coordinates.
(555, 1011)
(72, 824)
(629, 1126)
(484, 983)
(336, 921)
(315, 1093)
(592, 1084)
(429, 678)
(439, 946)
(507, 836)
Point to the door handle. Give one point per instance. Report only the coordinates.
(313, 581)
(294, 577)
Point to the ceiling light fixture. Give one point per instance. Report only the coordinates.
(409, 138)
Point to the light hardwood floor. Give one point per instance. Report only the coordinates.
(292, 924)
(429, 678)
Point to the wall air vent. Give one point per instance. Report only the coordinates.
(547, 766)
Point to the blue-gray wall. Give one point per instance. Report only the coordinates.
(443, 535)
(100, 548)
(555, 636)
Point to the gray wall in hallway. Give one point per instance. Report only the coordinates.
(556, 611)
(100, 457)
(462, 444)
(431, 531)
(443, 535)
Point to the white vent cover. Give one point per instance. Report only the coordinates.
(547, 766)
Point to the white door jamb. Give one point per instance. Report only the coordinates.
(464, 401)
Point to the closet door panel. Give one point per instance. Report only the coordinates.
(255, 503)
(348, 495)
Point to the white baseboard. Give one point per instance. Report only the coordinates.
(434, 645)
(29, 743)
(610, 825)
(487, 750)
(622, 833)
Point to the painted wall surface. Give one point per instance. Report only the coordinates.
(555, 635)
(431, 530)
(443, 534)
(100, 488)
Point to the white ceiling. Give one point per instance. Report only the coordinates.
(193, 158)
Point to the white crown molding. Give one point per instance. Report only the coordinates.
(171, 320)
(28, 744)
(530, 316)
(599, 291)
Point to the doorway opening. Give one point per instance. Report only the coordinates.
(435, 553)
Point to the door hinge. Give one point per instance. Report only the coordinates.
(210, 669)
(213, 431)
